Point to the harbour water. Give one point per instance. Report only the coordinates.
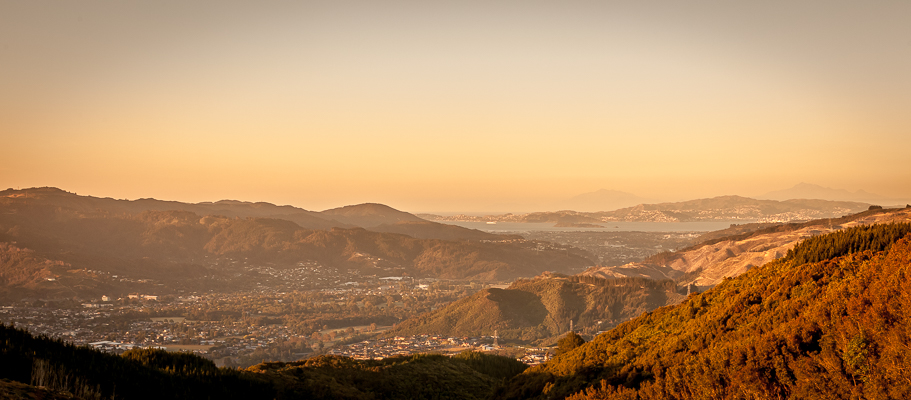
(500, 227)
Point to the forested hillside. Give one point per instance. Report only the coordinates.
(834, 328)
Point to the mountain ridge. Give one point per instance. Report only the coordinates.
(805, 190)
(720, 208)
(180, 247)
(367, 215)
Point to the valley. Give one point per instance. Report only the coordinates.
(375, 283)
(750, 314)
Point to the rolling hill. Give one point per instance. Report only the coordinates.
(66, 248)
(41, 368)
(540, 309)
(49, 196)
(370, 215)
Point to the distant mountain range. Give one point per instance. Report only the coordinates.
(732, 208)
(54, 243)
(810, 191)
(368, 215)
(611, 200)
(721, 208)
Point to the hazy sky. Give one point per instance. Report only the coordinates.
(448, 106)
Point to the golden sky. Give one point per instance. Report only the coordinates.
(453, 105)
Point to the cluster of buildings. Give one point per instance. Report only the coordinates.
(114, 329)
(535, 356)
(379, 349)
(148, 319)
(117, 347)
(402, 346)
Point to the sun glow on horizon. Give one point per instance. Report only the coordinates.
(448, 105)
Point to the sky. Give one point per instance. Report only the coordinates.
(432, 106)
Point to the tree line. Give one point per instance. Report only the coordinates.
(137, 374)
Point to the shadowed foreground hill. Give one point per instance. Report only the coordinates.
(137, 374)
(62, 371)
(542, 308)
(834, 327)
(12, 390)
